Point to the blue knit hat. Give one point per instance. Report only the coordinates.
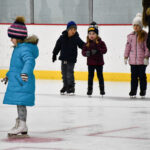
(71, 24)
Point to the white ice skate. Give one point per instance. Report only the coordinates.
(16, 124)
(20, 129)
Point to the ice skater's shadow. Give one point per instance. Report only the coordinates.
(127, 98)
(98, 97)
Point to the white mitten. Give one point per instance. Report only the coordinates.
(125, 61)
(146, 61)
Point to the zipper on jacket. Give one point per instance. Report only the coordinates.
(136, 49)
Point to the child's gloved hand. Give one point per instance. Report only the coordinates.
(87, 53)
(24, 77)
(93, 51)
(146, 61)
(54, 58)
(5, 80)
(125, 61)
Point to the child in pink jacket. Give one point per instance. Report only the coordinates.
(138, 54)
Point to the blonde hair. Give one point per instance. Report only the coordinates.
(142, 36)
(88, 41)
(20, 41)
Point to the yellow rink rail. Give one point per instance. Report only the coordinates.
(83, 76)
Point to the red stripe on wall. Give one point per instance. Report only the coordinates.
(65, 24)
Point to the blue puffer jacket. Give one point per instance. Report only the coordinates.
(23, 58)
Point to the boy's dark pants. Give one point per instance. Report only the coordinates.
(138, 72)
(99, 70)
(67, 70)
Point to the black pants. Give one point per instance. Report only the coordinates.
(67, 70)
(99, 70)
(138, 73)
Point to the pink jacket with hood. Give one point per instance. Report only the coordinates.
(136, 51)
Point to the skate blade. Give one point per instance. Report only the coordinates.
(133, 97)
(142, 97)
(70, 94)
(62, 93)
(18, 136)
(89, 96)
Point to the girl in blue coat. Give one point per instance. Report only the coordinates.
(21, 81)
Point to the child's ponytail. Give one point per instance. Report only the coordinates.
(141, 36)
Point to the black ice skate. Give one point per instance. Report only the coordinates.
(63, 90)
(102, 92)
(90, 90)
(70, 90)
(132, 94)
(142, 94)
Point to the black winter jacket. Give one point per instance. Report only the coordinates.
(148, 39)
(67, 46)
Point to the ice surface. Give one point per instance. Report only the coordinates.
(60, 122)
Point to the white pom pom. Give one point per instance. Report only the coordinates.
(138, 15)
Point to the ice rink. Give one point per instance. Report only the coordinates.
(79, 122)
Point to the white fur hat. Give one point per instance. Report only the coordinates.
(138, 20)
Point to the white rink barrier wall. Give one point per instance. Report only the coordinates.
(115, 37)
